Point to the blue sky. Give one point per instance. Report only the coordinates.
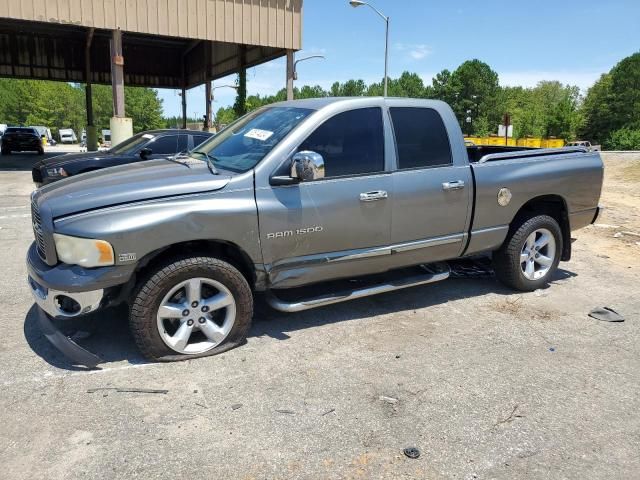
(573, 41)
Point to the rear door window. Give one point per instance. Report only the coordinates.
(351, 143)
(183, 143)
(421, 138)
(167, 145)
(198, 139)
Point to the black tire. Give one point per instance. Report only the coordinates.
(506, 260)
(41, 151)
(6, 151)
(158, 283)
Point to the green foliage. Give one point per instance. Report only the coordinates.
(240, 107)
(475, 87)
(144, 107)
(613, 103)
(52, 104)
(609, 114)
(62, 105)
(623, 139)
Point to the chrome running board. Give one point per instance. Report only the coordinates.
(433, 273)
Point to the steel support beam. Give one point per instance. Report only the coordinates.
(289, 74)
(91, 138)
(117, 73)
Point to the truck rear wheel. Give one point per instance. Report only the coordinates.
(530, 255)
(191, 307)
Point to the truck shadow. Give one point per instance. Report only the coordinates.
(110, 338)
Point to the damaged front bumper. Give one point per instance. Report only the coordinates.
(57, 304)
(63, 292)
(67, 347)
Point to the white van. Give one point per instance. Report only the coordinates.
(67, 135)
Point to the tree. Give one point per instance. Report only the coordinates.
(613, 103)
(475, 88)
(144, 107)
(351, 88)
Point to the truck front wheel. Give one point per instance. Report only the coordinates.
(191, 307)
(530, 255)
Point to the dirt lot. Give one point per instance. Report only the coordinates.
(487, 383)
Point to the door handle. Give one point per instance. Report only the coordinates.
(455, 185)
(373, 196)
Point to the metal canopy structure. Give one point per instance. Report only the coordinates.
(44, 51)
(158, 43)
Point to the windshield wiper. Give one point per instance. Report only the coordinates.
(175, 159)
(210, 160)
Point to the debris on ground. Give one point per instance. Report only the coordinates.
(512, 416)
(411, 452)
(389, 400)
(128, 390)
(288, 412)
(606, 314)
(201, 405)
(236, 406)
(617, 235)
(605, 225)
(328, 412)
(471, 268)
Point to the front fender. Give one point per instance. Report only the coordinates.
(135, 230)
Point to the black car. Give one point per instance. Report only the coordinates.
(143, 146)
(21, 139)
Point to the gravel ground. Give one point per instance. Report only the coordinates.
(487, 383)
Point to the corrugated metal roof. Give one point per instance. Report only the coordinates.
(268, 23)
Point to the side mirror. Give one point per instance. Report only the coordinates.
(145, 153)
(307, 165)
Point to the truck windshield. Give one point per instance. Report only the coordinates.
(241, 145)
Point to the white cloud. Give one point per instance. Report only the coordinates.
(416, 51)
(530, 78)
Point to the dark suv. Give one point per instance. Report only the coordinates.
(21, 139)
(143, 146)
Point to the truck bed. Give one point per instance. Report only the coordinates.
(568, 179)
(485, 153)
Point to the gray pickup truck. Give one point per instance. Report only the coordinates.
(308, 192)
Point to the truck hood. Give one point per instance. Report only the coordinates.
(128, 183)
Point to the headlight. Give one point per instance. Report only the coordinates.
(57, 172)
(85, 252)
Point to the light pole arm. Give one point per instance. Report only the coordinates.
(295, 64)
(384, 17)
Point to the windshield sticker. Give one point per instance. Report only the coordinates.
(258, 134)
(146, 135)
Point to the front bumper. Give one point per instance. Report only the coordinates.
(68, 347)
(61, 304)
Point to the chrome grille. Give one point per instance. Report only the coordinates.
(37, 231)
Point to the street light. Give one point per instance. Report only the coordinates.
(209, 93)
(359, 3)
(295, 64)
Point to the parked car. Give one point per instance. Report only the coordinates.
(67, 135)
(21, 139)
(307, 192)
(143, 146)
(584, 144)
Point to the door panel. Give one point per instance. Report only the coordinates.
(333, 227)
(432, 194)
(424, 210)
(322, 230)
